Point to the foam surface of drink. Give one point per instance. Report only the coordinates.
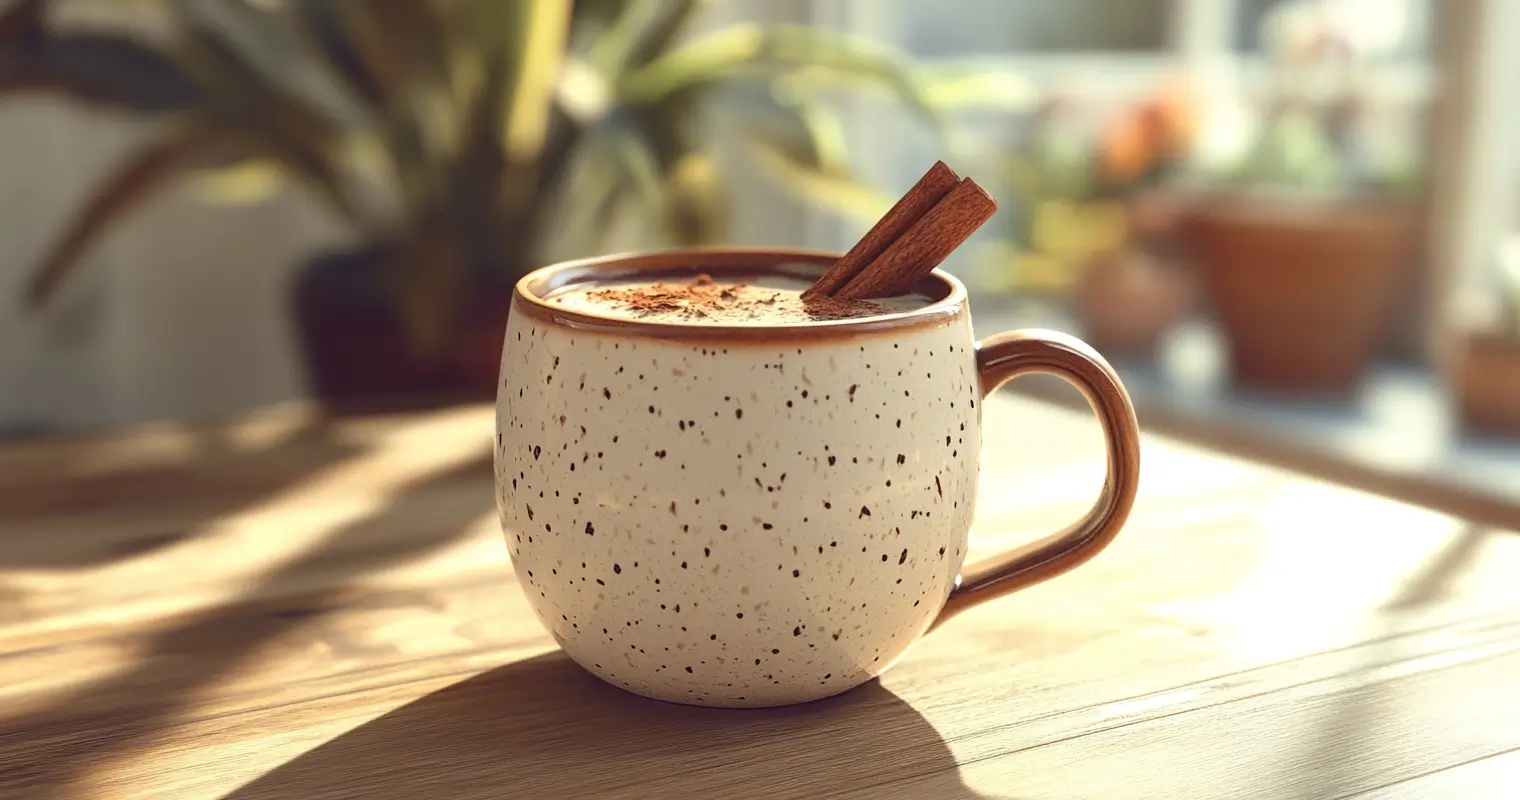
(750, 300)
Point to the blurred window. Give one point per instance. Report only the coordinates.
(1399, 28)
(951, 28)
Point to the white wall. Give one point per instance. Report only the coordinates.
(177, 313)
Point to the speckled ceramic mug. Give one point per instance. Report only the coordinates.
(758, 516)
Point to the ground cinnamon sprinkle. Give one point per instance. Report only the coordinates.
(826, 307)
(701, 298)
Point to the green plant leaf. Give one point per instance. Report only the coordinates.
(382, 49)
(396, 57)
(604, 213)
(101, 69)
(249, 181)
(642, 32)
(144, 173)
(976, 86)
(411, 39)
(807, 131)
(596, 15)
(240, 95)
(638, 167)
(840, 193)
(696, 202)
(1294, 151)
(512, 138)
(317, 169)
(767, 52)
(335, 34)
(534, 68)
(657, 38)
(265, 44)
(608, 189)
(802, 146)
(496, 33)
(591, 207)
(675, 188)
(610, 51)
(244, 98)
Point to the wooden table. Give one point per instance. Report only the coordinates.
(282, 608)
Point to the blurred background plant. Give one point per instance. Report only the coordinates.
(1306, 240)
(463, 141)
(1349, 176)
(1319, 130)
(1073, 176)
(1091, 211)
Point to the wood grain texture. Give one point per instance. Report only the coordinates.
(925, 244)
(930, 188)
(290, 608)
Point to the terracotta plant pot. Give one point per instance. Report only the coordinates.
(1484, 373)
(1128, 301)
(1156, 217)
(1303, 290)
(355, 347)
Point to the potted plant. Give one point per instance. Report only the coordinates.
(1483, 360)
(1092, 218)
(1303, 251)
(1129, 297)
(463, 142)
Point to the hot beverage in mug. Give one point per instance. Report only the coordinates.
(731, 299)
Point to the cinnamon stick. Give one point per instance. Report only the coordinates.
(930, 189)
(924, 245)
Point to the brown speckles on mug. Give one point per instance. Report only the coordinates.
(778, 601)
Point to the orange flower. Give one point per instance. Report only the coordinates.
(1174, 112)
(1140, 137)
(1128, 148)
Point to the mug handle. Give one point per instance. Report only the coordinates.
(1004, 357)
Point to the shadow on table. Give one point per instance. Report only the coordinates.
(45, 752)
(214, 477)
(543, 727)
(1356, 723)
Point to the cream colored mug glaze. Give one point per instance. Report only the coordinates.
(728, 517)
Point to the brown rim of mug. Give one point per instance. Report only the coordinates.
(947, 293)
